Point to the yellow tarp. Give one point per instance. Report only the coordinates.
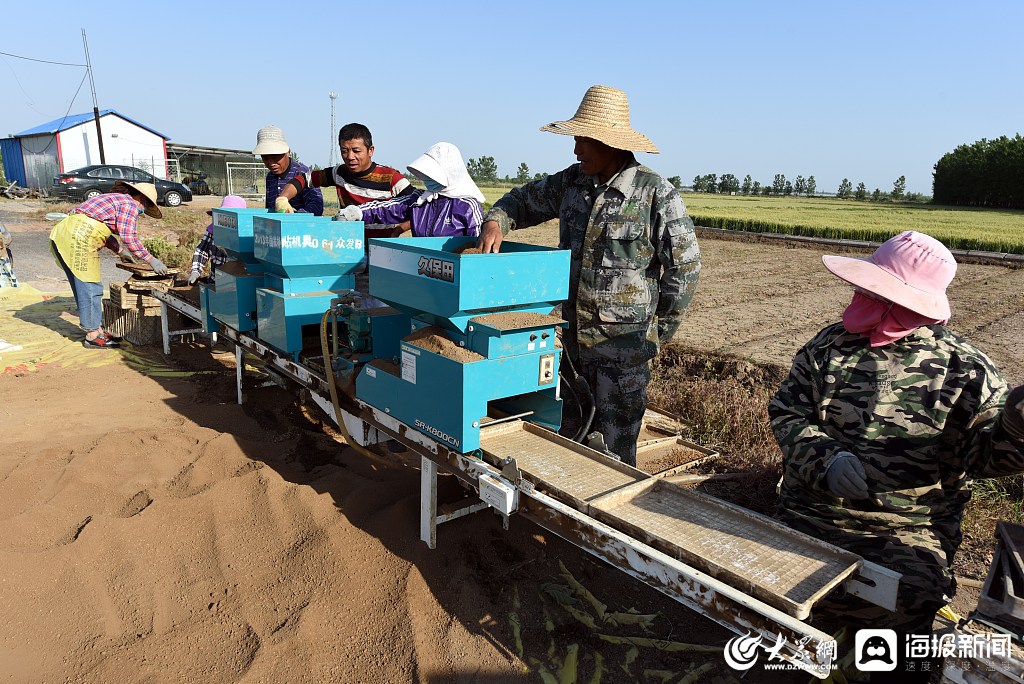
(45, 326)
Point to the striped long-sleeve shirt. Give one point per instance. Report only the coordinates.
(121, 213)
(377, 183)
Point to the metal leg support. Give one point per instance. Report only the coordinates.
(428, 502)
(239, 369)
(429, 518)
(165, 329)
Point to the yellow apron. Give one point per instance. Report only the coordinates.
(79, 240)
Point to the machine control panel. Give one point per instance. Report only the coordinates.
(547, 369)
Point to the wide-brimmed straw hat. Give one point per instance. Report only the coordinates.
(911, 269)
(604, 116)
(229, 202)
(270, 140)
(148, 192)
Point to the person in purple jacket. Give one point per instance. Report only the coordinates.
(449, 206)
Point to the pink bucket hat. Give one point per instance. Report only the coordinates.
(911, 269)
(229, 202)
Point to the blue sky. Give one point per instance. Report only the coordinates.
(868, 91)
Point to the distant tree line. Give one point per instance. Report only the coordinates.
(729, 184)
(781, 186)
(987, 173)
(484, 170)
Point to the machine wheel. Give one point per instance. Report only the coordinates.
(92, 193)
(172, 198)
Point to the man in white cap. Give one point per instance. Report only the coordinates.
(884, 421)
(273, 149)
(635, 260)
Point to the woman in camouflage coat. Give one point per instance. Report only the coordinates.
(884, 421)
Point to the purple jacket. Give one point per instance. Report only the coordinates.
(442, 217)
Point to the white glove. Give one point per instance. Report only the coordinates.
(846, 477)
(283, 206)
(158, 266)
(193, 276)
(350, 213)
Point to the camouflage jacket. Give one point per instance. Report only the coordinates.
(921, 413)
(635, 260)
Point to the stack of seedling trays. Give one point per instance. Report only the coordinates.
(132, 312)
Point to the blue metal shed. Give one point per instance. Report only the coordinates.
(14, 167)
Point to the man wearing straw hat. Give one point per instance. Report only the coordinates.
(884, 421)
(635, 260)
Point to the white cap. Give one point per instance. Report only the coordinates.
(270, 140)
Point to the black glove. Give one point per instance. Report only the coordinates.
(1013, 413)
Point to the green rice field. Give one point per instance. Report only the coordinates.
(990, 230)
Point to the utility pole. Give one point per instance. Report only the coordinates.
(334, 96)
(95, 108)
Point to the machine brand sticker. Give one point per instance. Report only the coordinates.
(436, 268)
(225, 220)
(429, 429)
(408, 367)
(306, 242)
(371, 371)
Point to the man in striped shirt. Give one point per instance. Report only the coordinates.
(358, 179)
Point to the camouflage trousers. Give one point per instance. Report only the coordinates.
(620, 399)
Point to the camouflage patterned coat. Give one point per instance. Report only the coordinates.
(635, 260)
(921, 413)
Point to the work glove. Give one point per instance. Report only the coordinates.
(283, 206)
(125, 257)
(193, 276)
(158, 266)
(1013, 413)
(846, 477)
(350, 213)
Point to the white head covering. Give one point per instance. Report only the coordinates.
(443, 164)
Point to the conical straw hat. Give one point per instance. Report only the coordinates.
(148, 192)
(604, 115)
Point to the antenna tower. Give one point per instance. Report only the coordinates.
(334, 145)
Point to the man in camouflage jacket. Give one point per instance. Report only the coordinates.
(914, 411)
(635, 260)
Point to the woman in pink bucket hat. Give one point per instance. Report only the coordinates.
(884, 421)
(206, 252)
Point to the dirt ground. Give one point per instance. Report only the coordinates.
(155, 531)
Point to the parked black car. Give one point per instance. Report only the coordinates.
(90, 181)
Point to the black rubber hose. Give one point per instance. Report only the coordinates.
(581, 389)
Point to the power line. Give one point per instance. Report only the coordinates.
(70, 105)
(44, 61)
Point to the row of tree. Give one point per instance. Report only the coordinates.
(987, 173)
(780, 186)
(485, 170)
(729, 184)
